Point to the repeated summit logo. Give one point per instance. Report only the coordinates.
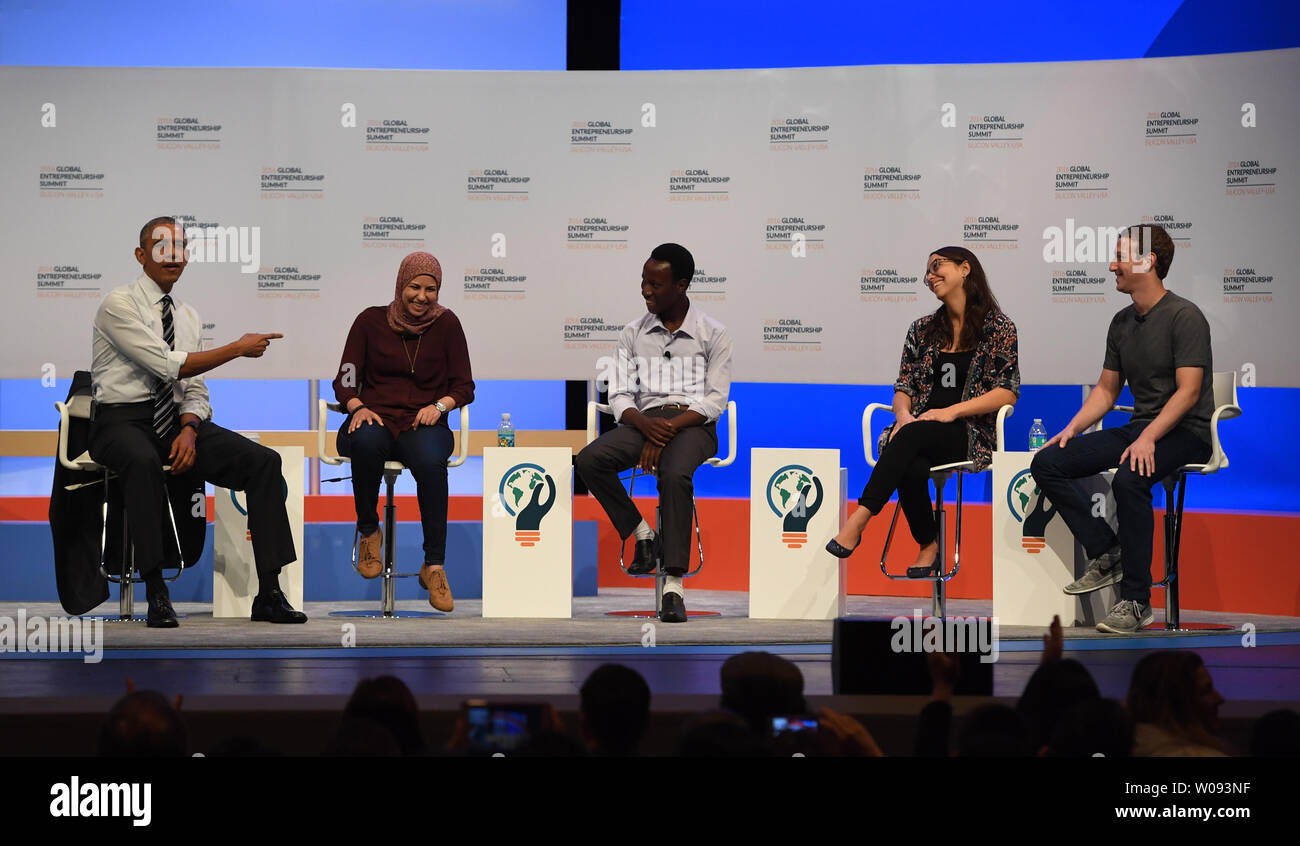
(1031, 509)
(787, 495)
(520, 495)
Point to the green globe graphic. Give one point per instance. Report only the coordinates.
(784, 492)
(519, 485)
(1022, 494)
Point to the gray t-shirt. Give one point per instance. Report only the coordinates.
(1147, 349)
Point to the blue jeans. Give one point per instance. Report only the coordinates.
(1055, 470)
(424, 451)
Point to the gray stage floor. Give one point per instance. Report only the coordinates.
(589, 627)
(225, 664)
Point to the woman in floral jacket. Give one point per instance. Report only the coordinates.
(959, 366)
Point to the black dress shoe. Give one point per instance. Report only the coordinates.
(274, 608)
(674, 609)
(643, 559)
(161, 614)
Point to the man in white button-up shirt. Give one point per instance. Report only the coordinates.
(668, 387)
(151, 408)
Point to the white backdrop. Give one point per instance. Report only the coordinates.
(542, 194)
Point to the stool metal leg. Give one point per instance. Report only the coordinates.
(1175, 488)
(940, 586)
(889, 538)
(1171, 549)
(389, 586)
(660, 576)
(128, 575)
(388, 576)
(939, 591)
(126, 587)
(1171, 594)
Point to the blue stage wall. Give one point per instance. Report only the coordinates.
(27, 567)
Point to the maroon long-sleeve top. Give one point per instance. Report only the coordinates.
(377, 363)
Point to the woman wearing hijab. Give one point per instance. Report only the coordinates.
(405, 366)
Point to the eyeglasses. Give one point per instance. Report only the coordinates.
(933, 268)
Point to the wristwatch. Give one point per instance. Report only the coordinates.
(442, 409)
(193, 423)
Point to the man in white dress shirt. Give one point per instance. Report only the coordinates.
(151, 408)
(671, 385)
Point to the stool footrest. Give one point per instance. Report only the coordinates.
(905, 578)
(654, 615)
(394, 615)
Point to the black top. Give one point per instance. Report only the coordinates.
(1146, 350)
(950, 370)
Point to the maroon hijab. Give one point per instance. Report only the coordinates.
(416, 264)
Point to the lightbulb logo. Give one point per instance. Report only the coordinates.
(1031, 509)
(520, 494)
(787, 495)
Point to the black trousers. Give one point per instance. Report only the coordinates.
(122, 439)
(904, 466)
(603, 459)
(1055, 469)
(424, 451)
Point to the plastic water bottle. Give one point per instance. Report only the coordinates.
(506, 432)
(1037, 435)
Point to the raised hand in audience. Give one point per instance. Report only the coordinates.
(1053, 642)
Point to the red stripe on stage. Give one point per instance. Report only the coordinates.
(1216, 549)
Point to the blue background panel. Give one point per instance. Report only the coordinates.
(27, 567)
(828, 33)
(415, 34)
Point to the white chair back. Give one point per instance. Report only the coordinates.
(1225, 408)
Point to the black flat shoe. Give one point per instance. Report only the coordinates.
(643, 558)
(274, 608)
(674, 609)
(838, 551)
(161, 614)
(924, 572)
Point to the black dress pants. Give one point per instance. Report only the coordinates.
(600, 462)
(904, 466)
(122, 439)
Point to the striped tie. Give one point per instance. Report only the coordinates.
(164, 407)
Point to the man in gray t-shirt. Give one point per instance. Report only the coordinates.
(1160, 345)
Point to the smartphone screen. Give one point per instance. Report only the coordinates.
(789, 724)
(495, 727)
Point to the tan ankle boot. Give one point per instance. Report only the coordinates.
(433, 578)
(370, 560)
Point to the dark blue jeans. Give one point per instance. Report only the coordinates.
(1055, 470)
(424, 451)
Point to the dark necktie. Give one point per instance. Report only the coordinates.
(164, 407)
